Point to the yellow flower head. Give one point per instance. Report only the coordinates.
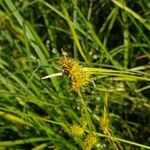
(76, 130)
(70, 66)
(90, 141)
(77, 73)
(104, 123)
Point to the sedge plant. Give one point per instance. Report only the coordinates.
(96, 96)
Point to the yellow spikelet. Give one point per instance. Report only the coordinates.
(104, 123)
(90, 141)
(76, 130)
(77, 73)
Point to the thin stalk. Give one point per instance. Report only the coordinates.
(126, 39)
(85, 112)
(106, 120)
(90, 10)
(110, 26)
(75, 21)
(123, 140)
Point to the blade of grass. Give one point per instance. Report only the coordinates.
(23, 141)
(62, 16)
(73, 32)
(122, 74)
(130, 11)
(96, 38)
(34, 40)
(126, 39)
(13, 119)
(124, 141)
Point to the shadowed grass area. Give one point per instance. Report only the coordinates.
(97, 97)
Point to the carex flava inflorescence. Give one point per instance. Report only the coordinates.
(78, 74)
(90, 141)
(76, 130)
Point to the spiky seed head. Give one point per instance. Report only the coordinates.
(90, 141)
(76, 130)
(77, 73)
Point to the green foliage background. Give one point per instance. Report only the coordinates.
(110, 34)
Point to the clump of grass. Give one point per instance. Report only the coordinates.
(110, 38)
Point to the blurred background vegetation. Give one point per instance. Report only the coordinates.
(111, 38)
